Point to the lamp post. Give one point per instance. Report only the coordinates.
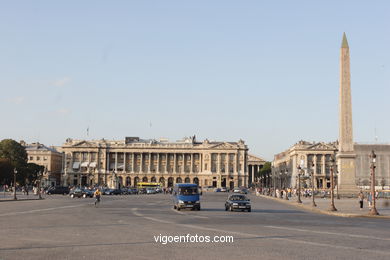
(15, 172)
(337, 187)
(373, 210)
(312, 187)
(281, 185)
(299, 184)
(286, 172)
(332, 207)
(274, 182)
(39, 184)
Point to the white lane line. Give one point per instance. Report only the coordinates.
(187, 214)
(328, 233)
(135, 212)
(38, 210)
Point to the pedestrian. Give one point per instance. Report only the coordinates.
(369, 200)
(361, 199)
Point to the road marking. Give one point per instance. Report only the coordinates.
(187, 214)
(328, 233)
(135, 212)
(38, 210)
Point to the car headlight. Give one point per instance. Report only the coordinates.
(197, 201)
(181, 202)
(235, 204)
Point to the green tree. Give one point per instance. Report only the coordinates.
(6, 171)
(266, 169)
(13, 156)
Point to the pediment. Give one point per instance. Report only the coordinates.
(83, 144)
(252, 158)
(223, 146)
(322, 146)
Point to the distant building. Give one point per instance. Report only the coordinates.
(126, 162)
(47, 157)
(316, 158)
(254, 165)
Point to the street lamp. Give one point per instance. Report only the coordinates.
(312, 186)
(281, 184)
(332, 207)
(286, 172)
(15, 172)
(39, 184)
(373, 210)
(274, 182)
(299, 184)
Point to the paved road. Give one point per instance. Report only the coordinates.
(123, 227)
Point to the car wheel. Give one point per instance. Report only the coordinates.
(226, 208)
(178, 208)
(199, 208)
(174, 206)
(249, 210)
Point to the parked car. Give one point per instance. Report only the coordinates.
(224, 189)
(241, 190)
(58, 190)
(238, 202)
(76, 192)
(217, 190)
(88, 193)
(151, 191)
(133, 191)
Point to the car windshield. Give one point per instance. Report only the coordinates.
(188, 191)
(238, 197)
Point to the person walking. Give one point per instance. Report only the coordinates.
(361, 199)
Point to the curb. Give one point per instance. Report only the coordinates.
(9, 200)
(320, 211)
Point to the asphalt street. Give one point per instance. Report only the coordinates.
(126, 226)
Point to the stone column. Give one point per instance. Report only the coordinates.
(166, 164)
(174, 163)
(150, 163)
(108, 161)
(323, 164)
(116, 161)
(124, 162)
(235, 164)
(142, 163)
(158, 170)
(227, 164)
(192, 163)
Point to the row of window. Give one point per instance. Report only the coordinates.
(38, 158)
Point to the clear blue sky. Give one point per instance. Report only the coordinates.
(263, 71)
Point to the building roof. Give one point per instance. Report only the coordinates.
(39, 147)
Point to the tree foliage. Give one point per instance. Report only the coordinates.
(14, 156)
(266, 169)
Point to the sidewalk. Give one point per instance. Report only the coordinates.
(346, 207)
(9, 196)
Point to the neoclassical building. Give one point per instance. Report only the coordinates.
(126, 162)
(314, 157)
(47, 157)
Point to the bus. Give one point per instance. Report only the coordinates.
(149, 187)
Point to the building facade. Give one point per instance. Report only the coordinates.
(313, 158)
(254, 165)
(127, 162)
(47, 157)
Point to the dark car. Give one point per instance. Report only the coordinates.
(132, 191)
(88, 193)
(112, 192)
(238, 202)
(58, 190)
(76, 192)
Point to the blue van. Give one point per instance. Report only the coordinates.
(186, 196)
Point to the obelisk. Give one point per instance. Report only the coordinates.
(346, 156)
